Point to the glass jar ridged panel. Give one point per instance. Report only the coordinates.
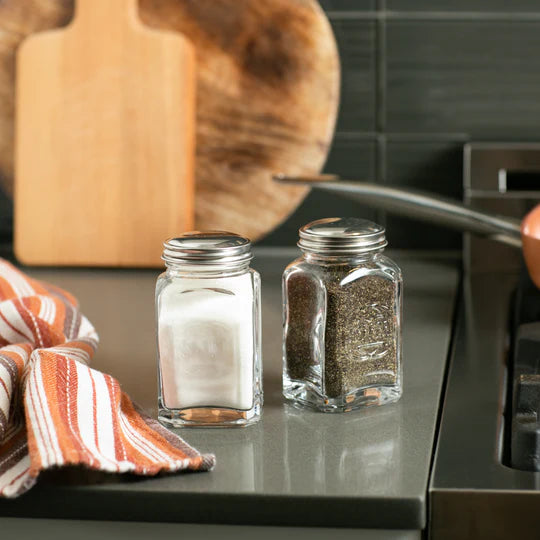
(342, 321)
(209, 343)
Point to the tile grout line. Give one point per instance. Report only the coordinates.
(380, 168)
(404, 136)
(435, 15)
(380, 93)
(428, 137)
(382, 154)
(522, 16)
(381, 101)
(380, 72)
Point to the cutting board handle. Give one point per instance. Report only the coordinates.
(90, 11)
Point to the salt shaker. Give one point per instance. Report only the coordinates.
(209, 337)
(342, 318)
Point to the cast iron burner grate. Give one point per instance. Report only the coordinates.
(524, 378)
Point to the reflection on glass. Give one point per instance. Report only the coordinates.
(348, 454)
(243, 453)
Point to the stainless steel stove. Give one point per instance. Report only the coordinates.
(485, 481)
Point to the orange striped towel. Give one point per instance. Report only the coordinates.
(54, 409)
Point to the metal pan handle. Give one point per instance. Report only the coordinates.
(417, 205)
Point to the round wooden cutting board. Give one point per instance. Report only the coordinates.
(267, 97)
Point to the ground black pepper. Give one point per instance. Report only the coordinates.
(300, 345)
(360, 348)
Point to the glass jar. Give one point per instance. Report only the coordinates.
(342, 318)
(209, 337)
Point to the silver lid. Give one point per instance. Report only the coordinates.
(341, 236)
(208, 248)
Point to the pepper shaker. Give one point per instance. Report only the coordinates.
(342, 318)
(209, 335)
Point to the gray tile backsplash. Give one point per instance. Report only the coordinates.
(434, 167)
(469, 76)
(356, 42)
(428, 165)
(352, 157)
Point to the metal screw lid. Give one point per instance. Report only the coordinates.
(208, 248)
(341, 236)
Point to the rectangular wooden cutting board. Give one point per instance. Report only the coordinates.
(105, 114)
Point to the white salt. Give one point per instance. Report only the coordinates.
(206, 343)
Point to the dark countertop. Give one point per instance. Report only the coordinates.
(365, 469)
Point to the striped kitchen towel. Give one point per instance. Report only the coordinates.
(57, 411)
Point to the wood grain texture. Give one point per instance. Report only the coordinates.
(267, 97)
(103, 108)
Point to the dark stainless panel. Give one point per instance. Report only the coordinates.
(473, 495)
(468, 76)
(487, 165)
(485, 515)
(488, 169)
(485, 255)
(356, 42)
(349, 156)
(430, 166)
